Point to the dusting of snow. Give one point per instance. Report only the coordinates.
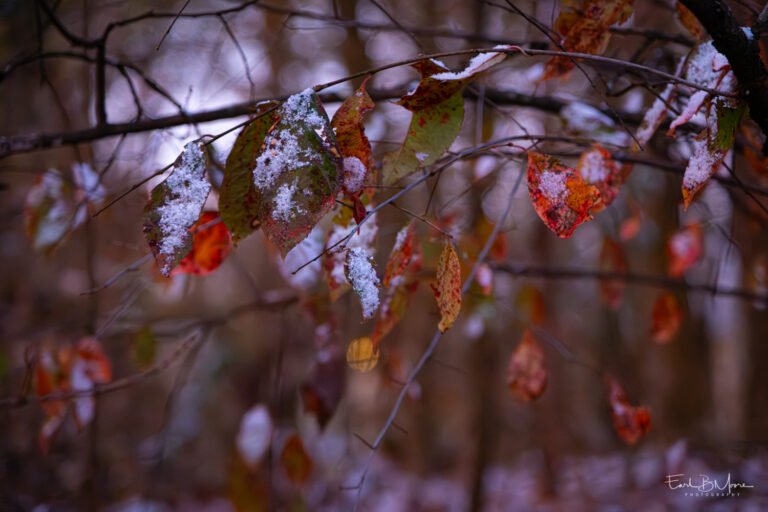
(439, 63)
(701, 166)
(593, 168)
(188, 192)
(363, 238)
(285, 208)
(695, 102)
(364, 281)
(354, 174)
(552, 186)
(421, 156)
(283, 150)
(255, 435)
(478, 63)
(748, 32)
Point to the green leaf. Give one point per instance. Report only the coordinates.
(174, 206)
(728, 120)
(438, 109)
(239, 200)
(297, 172)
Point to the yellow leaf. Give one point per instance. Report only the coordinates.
(448, 289)
(361, 356)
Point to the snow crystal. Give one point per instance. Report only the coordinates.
(354, 174)
(478, 63)
(421, 156)
(255, 434)
(552, 186)
(364, 280)
(701, 165)
(593, 168)
(285, 208)
(188, 192)
(283, 150)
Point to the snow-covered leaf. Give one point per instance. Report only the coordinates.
(448, 288)
(347, 125)
(298, 171)
(598, 168)
(334, 259)
(361, 275)
(50, 211)
(174, 207)
(560, 196)
(255, 435)
(239, 199)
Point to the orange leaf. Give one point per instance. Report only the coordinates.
(529, 305)
(631, 423)
(400, 282)
(295, 461)
(560, 196)
(527, 377)
(612, 259)
(598, 168)
(210, 247)
(347, 125)
(667, 318)
(630, 226)
(684, 249)
(584, 27)
(98, 367)
(448, 289)
(362, 355)
(689, 21)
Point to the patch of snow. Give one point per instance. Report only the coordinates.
(354, 174)
(421, 156)
(255, 435)
(478, 63)
(593, 168)
(701, 166)
(188, 192)
(748, 32)
(400, 239)
(283, 151)
(364, 281)
(285, 208)
(552, 186)
(89, 182)
(364, 238)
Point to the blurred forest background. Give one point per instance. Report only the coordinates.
(198, 352)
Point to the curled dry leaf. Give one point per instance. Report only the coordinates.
(448, 289)
(255, 435)
(295, 461)
(210, 246)
(612, 259)
(527, 377)
(560, 196)
(400, 281)
(362, 355)
(684, 249)
(667, 318)
(584, 27)
(631, 423)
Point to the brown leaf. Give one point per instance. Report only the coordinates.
(631, 423)
(527, 377)
(295, 461)
(667, 318)
(448, 289)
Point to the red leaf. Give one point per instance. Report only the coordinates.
(612, 259)
(295, 461)
(448, 289)
(210, 247)
(667, 318)
(560, 196)
(527, 376)
(598, 168)
(684, 249)
(631, 423)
